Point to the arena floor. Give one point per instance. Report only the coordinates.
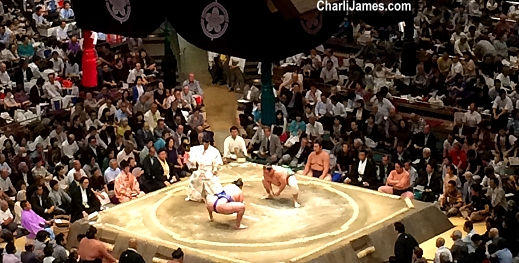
(330, 214)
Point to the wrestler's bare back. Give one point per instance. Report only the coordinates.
(232, 190)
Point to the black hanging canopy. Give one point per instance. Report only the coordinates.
(262, 30)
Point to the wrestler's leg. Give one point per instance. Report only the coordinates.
(231, 208)
(210, 214)
(267, 186)
(328, 177)
(292, 182)
(386, 189)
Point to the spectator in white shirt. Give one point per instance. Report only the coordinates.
(440, 244)
(504, 77)
(34, 66)
(330, 57)
(38, 17)
(76, 167)
(314, 129)
(501, 109)
(323, 107)
(5, 182)
(338, 107)
(93, 122)
(152, 116)
(7, 55)
(70, 147)
(457, 35)
(461, 46)
(136, 72)
(59, 134)
(329, 74)
(4, 76)
(53, 90)
(234, 146)
(383, 104)
(313, 95)
(57, 63)
(62, 32)
(4, 165)
(66, 12)
(472, 118)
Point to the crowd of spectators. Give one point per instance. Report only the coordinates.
(68, 152)
(337, 117)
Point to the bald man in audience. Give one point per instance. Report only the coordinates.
(7, 219)
(131, 255)
(318, 163)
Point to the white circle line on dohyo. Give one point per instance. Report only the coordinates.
(354, 205)
(203, 22)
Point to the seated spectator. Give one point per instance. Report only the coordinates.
(59, 198)
(234, 146)
(32, 222)
(92, 250)
(479, 208)
(153, 178)
(84, 201)
(459, 248)
(497, 197)
(297, 153)
(451, 200)
(9, 226)
(318, 163)
(126, 185)
(60, 253)
(363, 173)
(430, 180)
(42, 204)
(270, 147)
(398, 182)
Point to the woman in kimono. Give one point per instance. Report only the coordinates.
(204, 180)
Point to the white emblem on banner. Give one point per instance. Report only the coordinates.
(312, 22)
(119, 9)
(215, 20)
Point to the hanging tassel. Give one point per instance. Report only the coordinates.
(89, 61)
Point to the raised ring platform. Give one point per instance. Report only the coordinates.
(334, 224)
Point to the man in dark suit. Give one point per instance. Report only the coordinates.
(36, 92)
(24, 175)
(131, 255)
(41, 203)
(401, 154)
(425, 139)
(251, 94)
(93, 150)
(153, 178)
(404, 245)
(23, 73)
(431, 182)
(270, 148)
(363, 173)
(425, 160)
(297, 153)
(84, 201)
(384, 169)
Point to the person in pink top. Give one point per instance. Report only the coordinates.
(91, 250)
(126, 185)
(398, 182)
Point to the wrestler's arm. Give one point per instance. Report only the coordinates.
(326, 167)
(283, 183)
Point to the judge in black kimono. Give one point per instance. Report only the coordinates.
(363, 172)
(84, 201)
